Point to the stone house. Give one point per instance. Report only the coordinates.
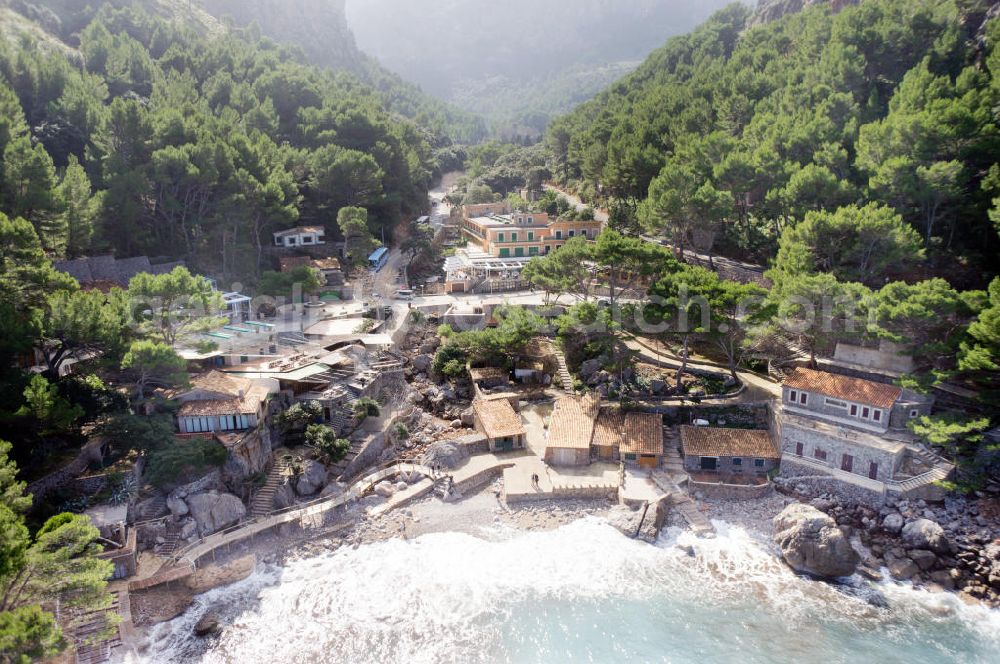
(728, 452)
(854, 402)
(218, 402)
(635, 438)
(500, 423)
(300, 236)
(571, 429)
(854, 431)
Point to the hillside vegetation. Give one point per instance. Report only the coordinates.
(729, 135)
(174, 139)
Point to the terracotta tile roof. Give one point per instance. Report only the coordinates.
(608, 428)
(498, 418)
(643, 434)
(299, 230)
(216, 381)
(248, 405)
(488, 373)
(243, 396)
(837, 386)
(632, 433)
(714, 441)
(537, 347)
(326, 264)
(572, 422)
(288, 263)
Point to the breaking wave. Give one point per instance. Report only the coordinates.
(582, 592)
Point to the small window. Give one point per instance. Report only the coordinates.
(630, 457)
(877, 415)
(558, 235)
(803, 398)
(548, 248)
(820, 454)
(513, 237)
(531, 236)
(758, 463)
(500, 237)
(793, 396)
(737, 461)
(914, 413)
(572, 233)
(854, 410)
(866, 412)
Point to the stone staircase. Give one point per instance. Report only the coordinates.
(85, 626)
(263, 500)
(565, 379)
(698, 522)
(170, 540)
(673, 463)
(684, 505)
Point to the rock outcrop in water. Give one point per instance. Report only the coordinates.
(812, 543)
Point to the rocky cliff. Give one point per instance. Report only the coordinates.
(318, 27)
(772, 10)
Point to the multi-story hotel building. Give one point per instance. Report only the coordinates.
(504, 233)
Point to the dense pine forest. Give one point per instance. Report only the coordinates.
(139, 135)
(742, 129)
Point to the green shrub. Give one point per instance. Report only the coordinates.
(195, 454)
(366, 407)
(401, 432)
(325, 441)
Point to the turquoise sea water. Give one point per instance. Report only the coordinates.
(579, 593)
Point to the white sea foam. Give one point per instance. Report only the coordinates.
(580, 592)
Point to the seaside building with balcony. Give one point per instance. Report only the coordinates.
(851, 432)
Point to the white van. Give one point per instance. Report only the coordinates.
(404, 294)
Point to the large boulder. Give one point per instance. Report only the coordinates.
(625, 519)
(422, 363)
(926, 534)
(312, 479)
(590, 367)
(284, 496)
(893, 523)
(444, 455)
(214, 511)
(177, 506)
(812, 543)
(207, 625)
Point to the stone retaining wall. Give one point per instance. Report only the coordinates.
(583, 492)
(721, 491)
(482, 477)
(801, 474)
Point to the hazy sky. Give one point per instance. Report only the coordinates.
(436, 42)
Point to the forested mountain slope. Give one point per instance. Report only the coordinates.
(314, 29)
(730, 134)
(168, 139)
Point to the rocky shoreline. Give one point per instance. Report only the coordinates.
(904, 540)
(953, 546)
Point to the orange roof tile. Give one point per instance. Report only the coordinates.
(714, 441)
(488, 373)
(837, 386)
(632, 433)
(572, 422)
(498, 418)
